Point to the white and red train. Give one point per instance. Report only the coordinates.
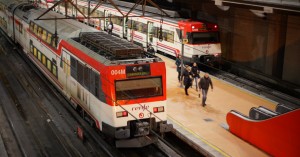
(121, 89)
(203, 42)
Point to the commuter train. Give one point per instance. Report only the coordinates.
(164, 35)
(113, 83)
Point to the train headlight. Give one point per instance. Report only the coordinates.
(122, 114)
(158, 109)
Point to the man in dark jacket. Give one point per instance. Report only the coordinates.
(204, 85)
(187, 79)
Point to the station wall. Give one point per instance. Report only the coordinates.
(266, 43)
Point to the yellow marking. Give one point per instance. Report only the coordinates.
(203, 140)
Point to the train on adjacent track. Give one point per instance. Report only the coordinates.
(164, 34)
(113, 83)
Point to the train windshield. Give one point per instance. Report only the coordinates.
(138, 88)
(203, 37)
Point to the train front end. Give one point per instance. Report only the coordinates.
(139, 103)
(201, 41)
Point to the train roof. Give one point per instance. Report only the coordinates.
(104, 48)
(66, 28)
(138, 12)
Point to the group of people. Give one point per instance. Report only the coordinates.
(192, 74)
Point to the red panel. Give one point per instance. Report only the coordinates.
(278, 136)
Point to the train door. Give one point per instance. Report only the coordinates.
(74, 11)
(125, 27)
(106, 19)
(150, 33)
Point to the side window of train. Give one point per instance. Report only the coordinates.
(44, 35)
(40, 32)
(49, 37)
(86, 78)
(35, 28)
(31, 26)
(129, 23)
(74, 68)
(21, 28)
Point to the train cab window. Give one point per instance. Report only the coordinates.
(44, 60)
(35, 52)
(39, 55)
(44, 35)
(49, 64)
(203, 37)
(138, 88)
(49, 37)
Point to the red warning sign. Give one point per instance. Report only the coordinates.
(141, 115)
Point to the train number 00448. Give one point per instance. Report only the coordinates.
(117, 72)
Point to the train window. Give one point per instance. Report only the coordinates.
(92, 82)
(74, 68)
(49, 64)
(31, 48)
(21, 28)
(31, 26)
(35, 51)
(129, 23)
(54, 72)
(170, 36)
(44, 60)
(39, 55)
(40, 32)
(35, 29)
(44, 35)
(203, 37)
(53, 42)
(98, 92)
(138, 88)
(80, 72)
(155, 32)
(49, 37)
(86, 78)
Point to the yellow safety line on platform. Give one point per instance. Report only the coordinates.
(203, 140)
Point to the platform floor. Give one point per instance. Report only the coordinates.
(205, 123)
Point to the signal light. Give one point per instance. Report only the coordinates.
(215, 26)
(158, 109)
(122, 114)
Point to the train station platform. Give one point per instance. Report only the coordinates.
(205, 127)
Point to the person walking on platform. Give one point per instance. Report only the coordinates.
(204, 83)
(187, 79)
(196, 74)
(178, 67)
